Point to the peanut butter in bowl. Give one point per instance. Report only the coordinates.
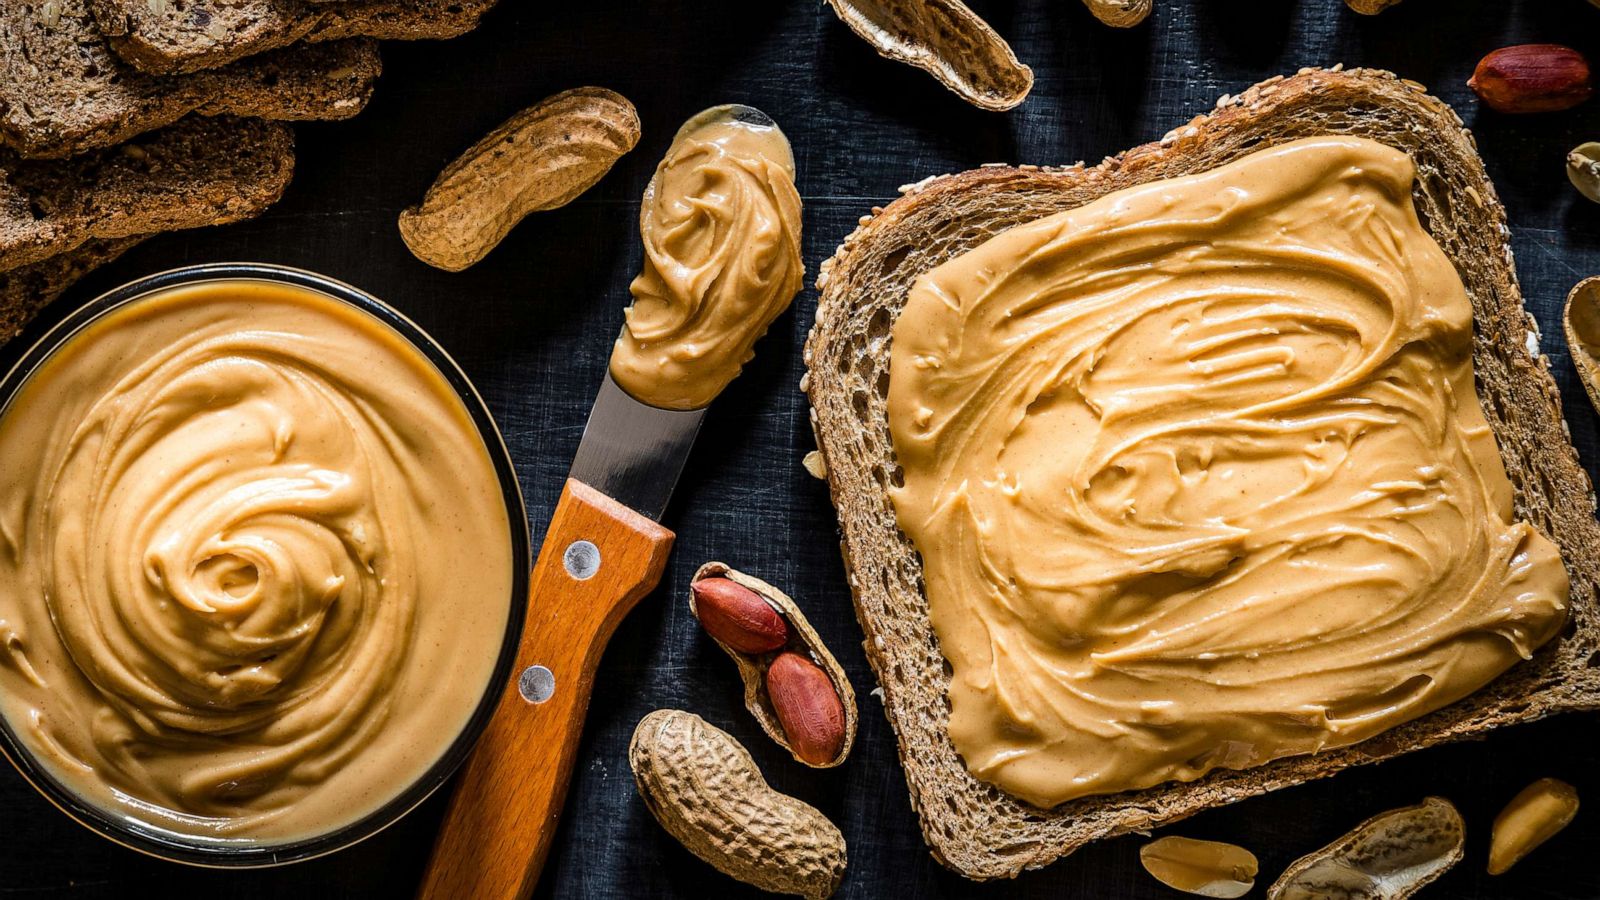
(256, 568)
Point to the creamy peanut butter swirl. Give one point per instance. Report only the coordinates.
(255, 566)
(721, 229)
(1200, 478)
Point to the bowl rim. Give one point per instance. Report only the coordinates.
(244, 853)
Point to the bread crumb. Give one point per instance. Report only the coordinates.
(877, 692)
(1533, 345)
(815, 464)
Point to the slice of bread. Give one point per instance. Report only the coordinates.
(26, 289)
(63, 91)
(199, 171)
(973, 827)
(168, 36)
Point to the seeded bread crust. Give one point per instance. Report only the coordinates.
(976, 829)
(27, 289)
(63, 91)
(199, 171)
(166, 37)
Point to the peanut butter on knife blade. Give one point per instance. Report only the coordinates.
(721, 228)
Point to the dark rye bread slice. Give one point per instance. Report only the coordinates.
(199, 171)
(27, 289)
(973, 827)
(63, 91)
(168, 36)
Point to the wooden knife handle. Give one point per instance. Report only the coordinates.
(503, 814)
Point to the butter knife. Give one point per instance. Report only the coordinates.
(605, 549)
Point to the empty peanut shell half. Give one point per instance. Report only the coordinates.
(793, 686)
(1583, 169)
(945, 39)
(1388, 857)
(1370, 7)
(540, 158)
(1120, 13)
(1581, 322)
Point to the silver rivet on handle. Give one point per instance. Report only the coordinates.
(536, 684)
(582, 560)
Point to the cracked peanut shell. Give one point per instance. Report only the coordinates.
(1580, 319)
(803, 640)
(1388, 857)
(948, 41)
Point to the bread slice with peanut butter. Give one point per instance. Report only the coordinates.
(973, 827)
(63, 91)
(167, 36)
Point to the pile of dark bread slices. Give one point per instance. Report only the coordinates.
(121, 119)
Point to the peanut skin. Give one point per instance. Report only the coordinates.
(1530, 78)
(738, 617)
(807, 707)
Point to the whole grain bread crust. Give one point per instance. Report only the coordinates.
(976, 829)
(63, 91)
(167, 37)
(198, 171)
(27, 289)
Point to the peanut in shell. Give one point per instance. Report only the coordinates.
(539, 159)
(803, 641)
(706, 791)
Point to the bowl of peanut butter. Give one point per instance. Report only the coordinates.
(262, 561)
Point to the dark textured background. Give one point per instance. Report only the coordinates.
(533, 323)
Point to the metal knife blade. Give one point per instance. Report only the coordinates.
(633, 452)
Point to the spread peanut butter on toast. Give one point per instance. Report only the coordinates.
(1221, 466)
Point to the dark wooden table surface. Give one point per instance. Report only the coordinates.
(532, 325)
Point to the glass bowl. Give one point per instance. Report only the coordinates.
(243, 853)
